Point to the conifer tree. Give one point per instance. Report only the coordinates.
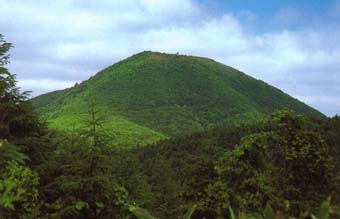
(16, 115)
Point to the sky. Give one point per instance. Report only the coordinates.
(291, 44)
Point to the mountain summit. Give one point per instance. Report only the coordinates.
(152, 95)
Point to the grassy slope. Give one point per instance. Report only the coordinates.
(152, 95)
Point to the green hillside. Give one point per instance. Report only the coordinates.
(151, 96)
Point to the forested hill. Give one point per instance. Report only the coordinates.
(282, 167)
(150, 96)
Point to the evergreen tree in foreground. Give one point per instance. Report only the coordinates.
(18, 182)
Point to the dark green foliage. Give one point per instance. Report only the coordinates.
(10, 152)
(289, 163)
(18, 182)
(18, 190)
(80, 179)
(162, 95)
(80, 183)
(325, 211)
(140, 213)
(301, 160)
(180, 170)
(242, 178)
(16, 117)
(4, 48)
(331, 133)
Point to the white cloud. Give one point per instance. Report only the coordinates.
(41, 85)
(331, 101)
(68, 40)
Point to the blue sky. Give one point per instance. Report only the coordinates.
(267, 8)
(292, 44)
(275, 15)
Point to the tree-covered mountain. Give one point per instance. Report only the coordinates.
(287, 164)
(150, 96)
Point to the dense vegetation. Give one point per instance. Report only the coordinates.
(287, 161)
(152, 96)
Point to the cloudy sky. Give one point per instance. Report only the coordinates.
(293, 45)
